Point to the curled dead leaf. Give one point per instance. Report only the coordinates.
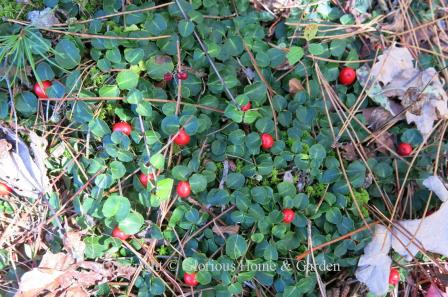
(295, 86)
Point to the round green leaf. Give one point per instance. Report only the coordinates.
(67, 54)
(236, 246)
(116, 206)
(185, 28)
(127, 80)
(132, 223)
(198, 183)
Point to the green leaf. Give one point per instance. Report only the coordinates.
(337, 47)
(116, 206)
(317, 152)
(164, 188)
(157, 25)
(134, 97)
(236, 246)
(270, 253)
(103, 181)
(67, 54)
(134, 55)
(185, 28)
(412, 136)
(157, 286)
(190, 265)
(204, 277)
(356, 172)
(286, 189)
(144, 109)
(127, 80)
(235, 180)
(132, 223)
(198, 183)
(109, 91)
(26, 103)
(265, 125)
(44, 71)
(310, 31)
(181, 172)
(170, 124)
(334, 216)
(233, 113)
(234, 45)
(294, 55)
(118, 170)
(316, 49)
(157, 66)
(158, 161)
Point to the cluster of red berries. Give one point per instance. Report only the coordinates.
(180, 75)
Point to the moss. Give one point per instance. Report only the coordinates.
(316, 191)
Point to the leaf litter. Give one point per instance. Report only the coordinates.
(67, 274)
(407, 238)
(419, 93)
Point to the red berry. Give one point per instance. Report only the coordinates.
(404, 149)
(5, 189)
(117, 233)
(394, 277)
(246, 107)
(182, 75)
(183, 189)
(347, 76)
(167, 76)
(40, 91)
(122, 127)
(182, 138)
(144, 178)
(266, 141)
(288, 215)
(190, 279)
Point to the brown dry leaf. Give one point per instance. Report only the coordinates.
(295, 86)
(391, 63)
(348, 152)
(275, 6)
(376, 117)
(76, 292)
(397, 24)
(74, 245)
(384, 140)
(46, 276)
(421, 92)
(226, 229)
